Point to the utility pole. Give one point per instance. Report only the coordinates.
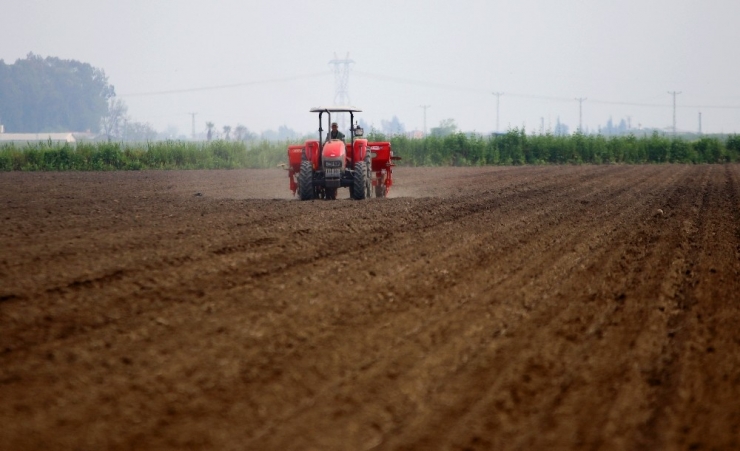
(425, 118)
(193, 118)
(580, 113)
(674, 93)
(700, 122)
(498, 98)
(341, 82)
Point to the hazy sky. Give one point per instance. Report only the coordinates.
(264, 64)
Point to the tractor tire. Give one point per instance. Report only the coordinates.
(305, 181)
(359, 177)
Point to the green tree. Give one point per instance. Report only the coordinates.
(392, 127)
(709, 150)
(243, 134)
(511, 146)
(680, 152)
(446, 127)
(657, 148)
(733, 147)
(113, 122)
(50, 94)
(209, 130)
(139, 132)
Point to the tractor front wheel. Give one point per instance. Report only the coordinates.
(305, 181)
(359, 178)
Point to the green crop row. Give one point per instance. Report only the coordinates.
(516, 147)
(512, 148)
(152, 155)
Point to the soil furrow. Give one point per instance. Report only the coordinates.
(569, 307)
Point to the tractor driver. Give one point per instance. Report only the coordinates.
(335, 133)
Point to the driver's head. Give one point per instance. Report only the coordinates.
(334, 125)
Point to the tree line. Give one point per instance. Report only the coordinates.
(52, 95)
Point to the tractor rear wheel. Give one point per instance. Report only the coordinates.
(305, 181)
(359, 177)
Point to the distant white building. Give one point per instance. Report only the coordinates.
(57, 138)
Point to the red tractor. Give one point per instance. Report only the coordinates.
(317, 169)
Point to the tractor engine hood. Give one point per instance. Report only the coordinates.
(334, 150)
(333, 160)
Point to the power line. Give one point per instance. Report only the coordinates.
(450, 87)
(416, 82)
(233, 85)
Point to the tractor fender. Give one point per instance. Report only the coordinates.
(381, 155)
(360, 150)
(312, 152)
(295, 155)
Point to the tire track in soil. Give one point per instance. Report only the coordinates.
(672, 313)
(151, 276)
(354, 364)
(597, 242)
(448, 352)
(90, 281)
(689, 416)
(141, 269)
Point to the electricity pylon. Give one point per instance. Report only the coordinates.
(341, 82)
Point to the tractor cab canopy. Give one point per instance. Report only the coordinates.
(354, 131)
(336, 109)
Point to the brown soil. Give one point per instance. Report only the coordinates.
(550, 308)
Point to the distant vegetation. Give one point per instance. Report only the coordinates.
(52, 95)
(512, 148)
(516, 147)
(104, 156)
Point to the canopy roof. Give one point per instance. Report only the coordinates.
(336, 109)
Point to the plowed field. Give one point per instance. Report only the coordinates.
(530, 308)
